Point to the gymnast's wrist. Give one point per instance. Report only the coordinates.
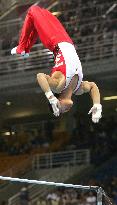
(49, 94)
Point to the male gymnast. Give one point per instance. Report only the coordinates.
(66, 76)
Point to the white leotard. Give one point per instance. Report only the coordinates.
(73, 64)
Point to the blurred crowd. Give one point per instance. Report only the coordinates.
(23, 141)
(69, 196)
(90, 25)
(100, 138)
(93, 29)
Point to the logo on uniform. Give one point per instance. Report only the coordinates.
(58, 64)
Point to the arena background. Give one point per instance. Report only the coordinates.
(34, 144)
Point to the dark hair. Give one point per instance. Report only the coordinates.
(50, 107)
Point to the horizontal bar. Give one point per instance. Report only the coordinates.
(48, 183)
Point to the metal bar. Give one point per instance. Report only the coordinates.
(99, 196)
(29, 181)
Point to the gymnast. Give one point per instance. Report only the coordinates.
(66, 77)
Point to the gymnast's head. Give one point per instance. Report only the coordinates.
(65, 104)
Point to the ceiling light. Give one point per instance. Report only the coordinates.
(7, 133)
(110, 98)
(8, 103)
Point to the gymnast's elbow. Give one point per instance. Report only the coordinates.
(40, 75)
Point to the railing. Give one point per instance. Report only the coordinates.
(79, 21)
(79, 6)
(11, 22)
(6, 4)
(9, 3)
(60, 166)
(58, 174)
(90, 48)
(94, 20)
(9, 6)
(41, 60)
(57, 159)
(69, 25)
(51, 160)
(57, 167)
(89, 22)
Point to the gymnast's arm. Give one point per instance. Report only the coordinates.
(46, 83)
(92, 88)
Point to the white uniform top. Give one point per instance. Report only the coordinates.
(73, 64)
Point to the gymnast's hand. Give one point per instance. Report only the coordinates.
(55, 105)
(96, 111)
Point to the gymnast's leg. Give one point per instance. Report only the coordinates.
(28, 36)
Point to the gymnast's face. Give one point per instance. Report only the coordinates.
(65, 105)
